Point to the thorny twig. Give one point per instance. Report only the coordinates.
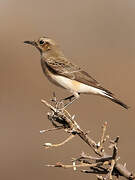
(47, 145)
(103, 164)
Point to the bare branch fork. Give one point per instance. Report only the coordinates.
(102, 164)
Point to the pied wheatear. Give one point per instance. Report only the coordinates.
(64, 73)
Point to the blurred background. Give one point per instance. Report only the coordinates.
(99, 36)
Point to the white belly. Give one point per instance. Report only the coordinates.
(75, 86)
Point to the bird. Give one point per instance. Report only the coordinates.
(64, 73)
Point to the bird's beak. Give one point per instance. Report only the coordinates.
(33, 43)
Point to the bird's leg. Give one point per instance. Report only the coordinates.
(61, 104)
(66, 105)
(75, 95)
(68, 98)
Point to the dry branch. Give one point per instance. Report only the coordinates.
(103, 163)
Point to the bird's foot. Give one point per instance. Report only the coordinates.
(61, 105)
(67, 104)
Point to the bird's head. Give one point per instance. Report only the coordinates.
(43, 44)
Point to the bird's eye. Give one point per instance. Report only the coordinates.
(41, 42)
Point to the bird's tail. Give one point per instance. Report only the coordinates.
(113, 99)
(109, 95)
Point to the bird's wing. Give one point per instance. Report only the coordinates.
(73, 72)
